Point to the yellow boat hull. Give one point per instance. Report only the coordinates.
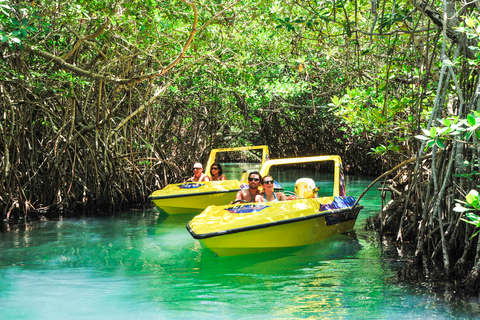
(191, 198)
(252, 228)
(194, 197)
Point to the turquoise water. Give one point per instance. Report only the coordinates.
(142, 265)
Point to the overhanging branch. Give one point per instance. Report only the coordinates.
(437, 18)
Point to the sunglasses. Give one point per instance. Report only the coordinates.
(253, 179)
(197, 168)
(268, 182)
(214, 168)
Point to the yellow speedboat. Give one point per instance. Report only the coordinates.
(194, 197)
(267, 226)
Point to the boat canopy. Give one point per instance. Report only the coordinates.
(214, 152)
(339, 185)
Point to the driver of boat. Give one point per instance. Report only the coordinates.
(249, 194)
(268, 195)
(198, 174)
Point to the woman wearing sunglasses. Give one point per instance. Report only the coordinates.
(216, 172)
(268, 195)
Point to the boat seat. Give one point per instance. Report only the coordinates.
(305, 188)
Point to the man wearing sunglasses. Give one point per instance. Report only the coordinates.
(249, 194)
(198, 174)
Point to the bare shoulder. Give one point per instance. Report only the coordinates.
(240, 195)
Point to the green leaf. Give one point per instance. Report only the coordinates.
(447, 62)
(440, 143)
(474, 193)
(447, 122)
(472, 198)
(471, 119)
(470, 22)
(420, 137)
(468, 135)
(473, 235)
(459, 208)
(433, 132)
(426, 132)
(468, 221)
(472, 216)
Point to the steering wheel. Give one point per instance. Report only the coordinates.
(239, 201)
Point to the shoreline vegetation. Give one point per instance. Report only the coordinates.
(104, 102)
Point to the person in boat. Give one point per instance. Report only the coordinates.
(268, 194)
(216, 172)
(249, 194)
(198, 174)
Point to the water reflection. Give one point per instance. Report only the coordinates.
(143, 265)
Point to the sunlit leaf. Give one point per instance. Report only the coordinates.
(472, 198)
(447, 62)
(467, 221)
(470, 22)
(459, 208)
(420, 137)
(471, 119)
(473, 217)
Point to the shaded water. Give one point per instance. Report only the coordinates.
(141, 265)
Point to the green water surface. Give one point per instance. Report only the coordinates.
(142, 265)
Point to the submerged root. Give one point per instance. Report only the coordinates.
(472, 281)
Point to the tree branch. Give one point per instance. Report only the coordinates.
(92, 36)
(437, 18)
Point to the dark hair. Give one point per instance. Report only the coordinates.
(255, 172)
(267, 176)
(220, 171)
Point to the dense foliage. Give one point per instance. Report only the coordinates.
(105, 101)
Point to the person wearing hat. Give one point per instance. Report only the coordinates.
(198, 174)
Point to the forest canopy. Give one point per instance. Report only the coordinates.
(105, 101)
(152, 85)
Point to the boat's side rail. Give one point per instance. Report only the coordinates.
(192, 194)
(347, 213)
